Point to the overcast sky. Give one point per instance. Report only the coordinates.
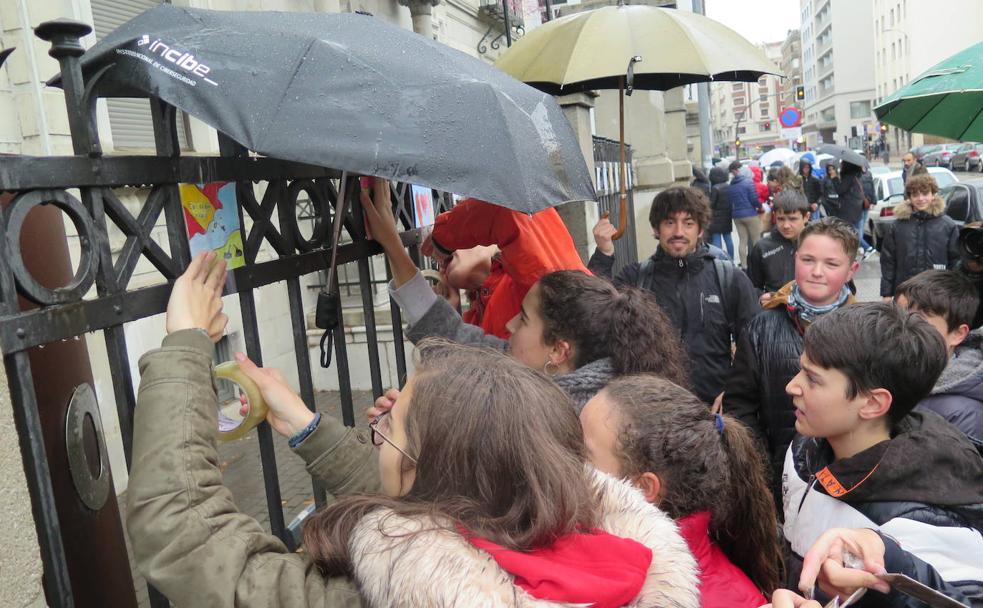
(757, 20)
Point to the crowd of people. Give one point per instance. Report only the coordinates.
(688, 431)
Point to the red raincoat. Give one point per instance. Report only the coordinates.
(722, 584)
(530, 245)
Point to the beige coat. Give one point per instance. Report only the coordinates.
(190, 541)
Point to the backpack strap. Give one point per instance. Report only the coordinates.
(725, 279)
(644, 272)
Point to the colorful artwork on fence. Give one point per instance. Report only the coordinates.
(211, 214)
(423, 206)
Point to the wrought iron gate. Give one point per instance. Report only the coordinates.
(607, 176)
(56, 315)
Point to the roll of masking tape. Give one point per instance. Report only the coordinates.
(257, 406)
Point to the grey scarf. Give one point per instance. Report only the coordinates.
(585, 381)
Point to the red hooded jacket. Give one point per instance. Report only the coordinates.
(722, 584)
(760, 187)
(530, 245)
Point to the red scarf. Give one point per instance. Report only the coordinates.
(597, 569)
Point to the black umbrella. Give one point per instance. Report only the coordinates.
(843, 154)
(354, 93)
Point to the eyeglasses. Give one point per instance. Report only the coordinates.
(378, 436)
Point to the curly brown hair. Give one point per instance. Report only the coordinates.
(680, 199)
(599, 321)
(668, 431)
(920, 184)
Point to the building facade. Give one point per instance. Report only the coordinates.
(744, 115)
(791, 64)
(908, 39)
(837, 71)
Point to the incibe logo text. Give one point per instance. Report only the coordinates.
(182, 59)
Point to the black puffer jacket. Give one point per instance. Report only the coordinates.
(918, 241)
(844, 197)
(920, 490)
(720, 219)
(771, 263)
(688, 291)
(812, 187)
(767, 358)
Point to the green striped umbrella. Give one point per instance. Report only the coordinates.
(946, 100)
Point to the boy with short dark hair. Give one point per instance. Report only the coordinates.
(768, 351)
(865, 460)
(948, 301)
(771, 263)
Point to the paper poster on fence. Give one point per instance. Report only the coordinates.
(423, 210)
(211, 214)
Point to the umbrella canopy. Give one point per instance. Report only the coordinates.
(783, 156)
(946, 100)
(842, 154)
(351, 92)
(591, 50)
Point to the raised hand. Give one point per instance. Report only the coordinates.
(196, 298)
(604, 230)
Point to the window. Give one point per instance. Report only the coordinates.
(859, 109)
(892, 17)
(764, 111)
(894, 51)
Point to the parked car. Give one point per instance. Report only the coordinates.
(941, 157)
(879, 169)
(920, 151)
(967, 157)
(964, 201)
(889, 191)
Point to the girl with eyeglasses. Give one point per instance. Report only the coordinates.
(482, 495)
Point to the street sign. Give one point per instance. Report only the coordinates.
(792, 133)
(790, 117)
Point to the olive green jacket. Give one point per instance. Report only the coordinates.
(188, 538)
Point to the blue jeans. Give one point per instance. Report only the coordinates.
(860, 230)
(717, 237)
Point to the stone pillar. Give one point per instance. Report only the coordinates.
(20, 560)
(422, 13)
(682, 168)
(581, 217)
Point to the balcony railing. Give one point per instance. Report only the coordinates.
(493, 13)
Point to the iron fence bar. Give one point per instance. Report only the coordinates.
(344, 373)
(53, 172)
(56, 581)
(168, 146)
(298, 325)
(250, 327)
(22, 330)
(397, 322)
(371, 336)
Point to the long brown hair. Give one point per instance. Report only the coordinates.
(668, 431)
(499, 451)
(599, 321)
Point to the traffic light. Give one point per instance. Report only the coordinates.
(800, 93)
(767, 126)
(883, 128)
(738, 142)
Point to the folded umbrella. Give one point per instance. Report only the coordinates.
(350, 92)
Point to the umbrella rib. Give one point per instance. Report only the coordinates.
(699, 51)
(286, 89)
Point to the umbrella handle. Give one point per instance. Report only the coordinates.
(622, 216)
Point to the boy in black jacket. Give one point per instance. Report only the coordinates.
(865, 460)
(771, 263)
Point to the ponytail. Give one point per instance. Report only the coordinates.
(643, 340)
(746, 529)
(598, 321)
(706, 462)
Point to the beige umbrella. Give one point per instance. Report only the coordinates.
(624, 47)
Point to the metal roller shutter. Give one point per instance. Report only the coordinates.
(129, 118)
